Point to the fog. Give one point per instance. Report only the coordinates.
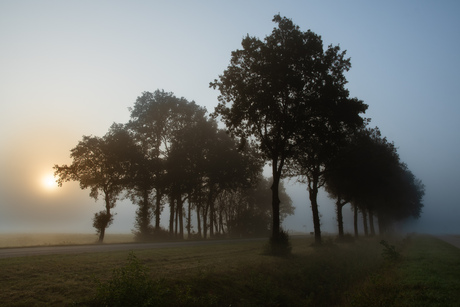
(73, 68)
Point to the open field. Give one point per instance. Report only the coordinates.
(51, 239)
(239, 274)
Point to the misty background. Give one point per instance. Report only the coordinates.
(69, 69)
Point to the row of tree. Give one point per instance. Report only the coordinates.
(284, 101)
(368, 174)
(286, 96)
(170, 151)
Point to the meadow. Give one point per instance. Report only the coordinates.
(423, 272)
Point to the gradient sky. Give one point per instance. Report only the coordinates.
(72, 68)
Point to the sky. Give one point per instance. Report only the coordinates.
(72, 68)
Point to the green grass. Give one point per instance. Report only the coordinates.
(239, 274)
(427, 275)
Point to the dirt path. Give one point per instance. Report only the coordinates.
(452, 239)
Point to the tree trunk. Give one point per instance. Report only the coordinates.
(275, 199)
(171, 215)
(355, 220)
(221, 222)
(107, 211)
(101, 235)
(339, 207)
(157, 210)
(211, 211)
(180, 204)
(364, 213)
(143, 217)
(198, 220)
(189, 219)
(313, 192)
(205, 222)
(371, 222)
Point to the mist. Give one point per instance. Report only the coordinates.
(72, 69)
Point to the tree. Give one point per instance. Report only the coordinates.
(155, 120)
(248, 210)
(368, 173)
(403, 198)
(278, 92)
(262, 96)
(330, 117)
(205, 162)
(356, 171)
(102, 165)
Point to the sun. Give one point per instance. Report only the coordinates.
(49, 182)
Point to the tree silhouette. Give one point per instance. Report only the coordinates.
(261, 97)
(368, 173)
(155, 120)
(283, 94)
(102, 165)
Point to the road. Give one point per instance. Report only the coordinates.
(452, 239)
(80, 249)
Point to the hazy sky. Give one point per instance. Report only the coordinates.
(72, 68)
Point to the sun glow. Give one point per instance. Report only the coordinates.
(49, 182)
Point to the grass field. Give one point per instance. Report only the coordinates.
(51, 239)
(427, 275)
(239, 274)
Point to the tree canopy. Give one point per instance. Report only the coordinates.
(284, 101)
(286, 95)
(102, 165)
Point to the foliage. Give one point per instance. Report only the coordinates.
(248, 210)
(389, 252)
(283, 100)
(102, 220)
(367, 172)
(130, 285)
(102, 165)
(274, 90)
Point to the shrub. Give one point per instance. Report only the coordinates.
(129, 286)
(279, 245)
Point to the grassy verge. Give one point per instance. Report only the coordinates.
(239, 274)
(228, 273)
(428, 274)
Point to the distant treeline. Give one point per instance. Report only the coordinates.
(283, 101)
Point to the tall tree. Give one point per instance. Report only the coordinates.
(264, 95)
(155, 120)
(102, 165)
(330, 117)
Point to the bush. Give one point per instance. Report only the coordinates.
(279, 245)
(130, 285)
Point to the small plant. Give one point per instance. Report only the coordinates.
(130, 285)
(389, 252)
